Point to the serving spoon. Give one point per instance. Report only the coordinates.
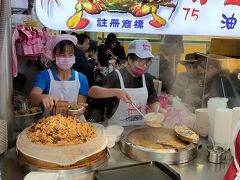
(135, 107)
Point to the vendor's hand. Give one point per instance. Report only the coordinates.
(49, 102)
(61, 107)
(123, 95)
(109, 52)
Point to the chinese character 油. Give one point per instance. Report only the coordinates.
(229, 22)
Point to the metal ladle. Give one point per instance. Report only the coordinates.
(144, 117)
(134, 105)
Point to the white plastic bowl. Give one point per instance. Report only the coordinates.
(118, 138)
(111, 144)
(113, 134)
(111, 141)
(114, 129)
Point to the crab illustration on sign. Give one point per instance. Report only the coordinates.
(138, 8)
(232, 2)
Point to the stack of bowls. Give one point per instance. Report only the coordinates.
(3, 136)
(202, 121)
(113, 134)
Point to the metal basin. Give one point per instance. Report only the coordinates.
(168, 156)
(23, 121)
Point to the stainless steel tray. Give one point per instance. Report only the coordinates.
(142, 171)
(143, 154)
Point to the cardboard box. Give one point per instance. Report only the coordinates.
(225, 47)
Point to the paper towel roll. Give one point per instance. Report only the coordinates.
(222, 127)
(213, 104)
(235, 119)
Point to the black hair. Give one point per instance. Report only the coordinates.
(93, 46)
(63, 32)
(62, 45)
(111, 39)
(132, 56)
(81, 37)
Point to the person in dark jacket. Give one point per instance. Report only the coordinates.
(83, 63)
(111, 49)
(219, 84)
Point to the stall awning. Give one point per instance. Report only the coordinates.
(193, 17)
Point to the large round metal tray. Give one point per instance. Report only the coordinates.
(148, 134)
(84, 166)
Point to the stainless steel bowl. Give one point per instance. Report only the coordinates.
(76, 111)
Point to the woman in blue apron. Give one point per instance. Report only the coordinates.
(60, 83)
(128, 84)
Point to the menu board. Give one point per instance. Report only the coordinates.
(184, 17)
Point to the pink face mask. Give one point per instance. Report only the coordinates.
(137, 71)
(65, 63)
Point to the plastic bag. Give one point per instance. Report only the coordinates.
(178, 114)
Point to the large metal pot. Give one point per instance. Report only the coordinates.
(23, 121)
(142, 153)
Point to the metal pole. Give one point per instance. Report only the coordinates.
(6, 87)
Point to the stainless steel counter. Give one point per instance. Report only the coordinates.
(198, 169)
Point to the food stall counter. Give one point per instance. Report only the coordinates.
(198, 169)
